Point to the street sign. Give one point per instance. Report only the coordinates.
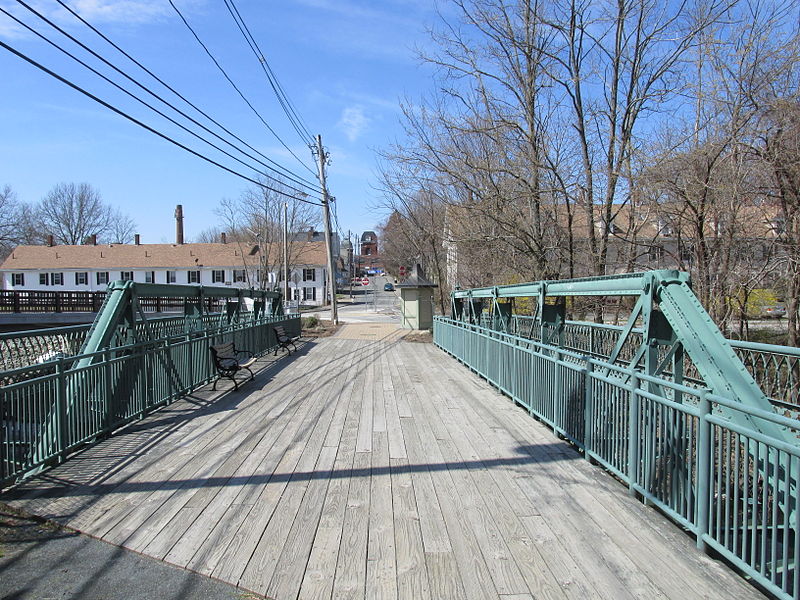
(365, 281)
(402, 271)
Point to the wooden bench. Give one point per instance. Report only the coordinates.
(228, 362)
(284, 339)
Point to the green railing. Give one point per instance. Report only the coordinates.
(776, 369)
(669, 443)
(121, 384)
(23, 348)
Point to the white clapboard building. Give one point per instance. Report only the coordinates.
(91, 267)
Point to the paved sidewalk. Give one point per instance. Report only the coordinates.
(41, 561)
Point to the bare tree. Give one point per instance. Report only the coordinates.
(10, 220)
(121, 228)
(73, 212)
(256, 218)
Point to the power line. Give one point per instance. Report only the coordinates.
(286, 104)
(235, 87)
(127, 92)
(145, 126)
(278, 168)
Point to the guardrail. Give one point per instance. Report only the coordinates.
(49, 410)
(41, 301)
(23, 348)
(775, 368)
(675, 445)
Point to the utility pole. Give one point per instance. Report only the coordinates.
(350, 273)
(286, 251)
(326, 220)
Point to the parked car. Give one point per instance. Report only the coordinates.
(774, 312)
(355, 281)
(388, 287)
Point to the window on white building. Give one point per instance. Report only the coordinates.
(44, 279)
(309, 293)
(82, 278)
(171, 277)
(18, 279)
(296, 293)
(238, 275)
(102, 277)
(193, 276)
(56, 279)
(149, 276)
(218, 276)
(309, 274)
(126, 275)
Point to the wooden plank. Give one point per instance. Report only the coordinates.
(185, 535)
(434, 530)
(364, 442)
(412, 576)
(397, 446)
(444, 577)
(597, 558)
(350, 579)
(186, 526)
(491, 479)
(183, 508)
(150, 516)
(242, 547)
(227, 533)
(153, 467)
(611, 570)
(288, 573)
(636, 543)
(255, 571)
(321, 568)
(482, 532)
(381, 561)
(381, 381)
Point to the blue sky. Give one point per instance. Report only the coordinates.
(345, 64)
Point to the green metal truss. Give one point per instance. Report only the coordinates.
(666, 310)
(121, 309)
(117, 320)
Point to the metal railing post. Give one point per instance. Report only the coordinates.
(62, 435)
(633, 435)
(109, 392)
(556, 400)
(703, 471)
(587, 408)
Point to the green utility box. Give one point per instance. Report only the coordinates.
(416, 301)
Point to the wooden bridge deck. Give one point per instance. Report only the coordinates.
(372, 468)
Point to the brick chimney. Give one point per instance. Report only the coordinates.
(223, 238)
(136, 239)
(50, 240)
(93, 239)
(179, 224)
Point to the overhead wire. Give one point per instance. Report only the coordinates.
(136, 121)
(143, 102)
(278, 168)
(283, 99)
(235, 87)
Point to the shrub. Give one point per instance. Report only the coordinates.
(309, 322)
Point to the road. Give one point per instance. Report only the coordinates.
(370, 304)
